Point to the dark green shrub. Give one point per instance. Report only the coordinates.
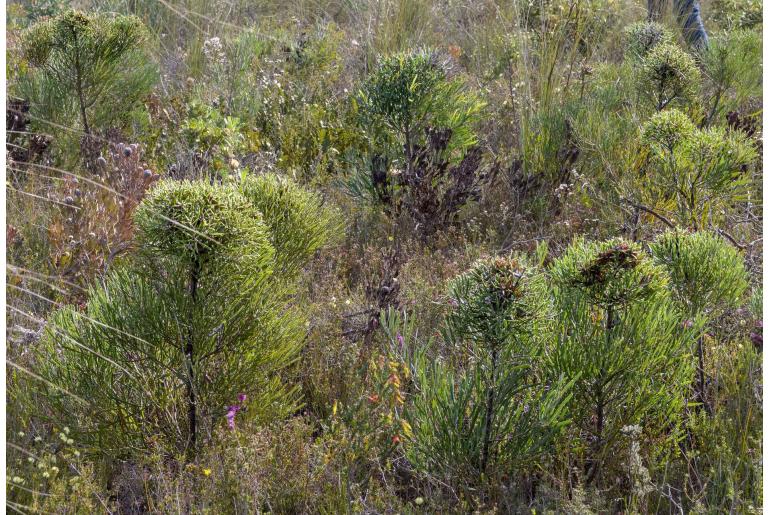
(411, 92)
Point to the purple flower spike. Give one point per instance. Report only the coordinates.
(241, 397)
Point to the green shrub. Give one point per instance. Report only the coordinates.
(642, 37)
(706, 273)
(732, 67)
(622, 339)
(701, 172)
(94, 60)
(194, 319)
(298, 220)
(706, 276)
(668, 76)
(411, 92)
(496, 416)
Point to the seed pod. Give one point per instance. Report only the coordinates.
(69, 200)
(147, 174)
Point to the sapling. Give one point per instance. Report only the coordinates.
(496, 415)
(196, 317)
(668, 76)
(619, 335)
(706, 277)
(703, 171)
(93, 58)
(420, 124)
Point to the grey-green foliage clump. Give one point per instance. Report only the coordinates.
(299, 222)
(641, 37)
(496, 415)
(668, 76)
(94, 60)
(701, 170)
(621, 337)
(197, 316)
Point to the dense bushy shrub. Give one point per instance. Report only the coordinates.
(94, 60)
(621, 338)
(298, 220)
(706, 276)
(641, 37)
(195, 319)
(701, 172)
(495, 416)
(668, 76)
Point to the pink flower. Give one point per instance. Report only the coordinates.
(400, 341)
(233, 410)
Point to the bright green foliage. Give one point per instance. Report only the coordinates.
(641, 37)
(667, 129)
(410, 92)
(95, 59)
(706, 272)
(668, 76)
(298, 220)
(175, 334)
(198, 222)
(699, 171)
(621, 338)
(496, 415)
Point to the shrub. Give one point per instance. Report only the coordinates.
(423, 160)
(411, 92)
(194, 319)
(732, 67)
(706, 277)
(642, 37)
(620, 336)
(298, 220)
(496, 416)
(703, 172)
(96, 59)
(668, 76)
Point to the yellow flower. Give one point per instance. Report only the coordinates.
(207, 472)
